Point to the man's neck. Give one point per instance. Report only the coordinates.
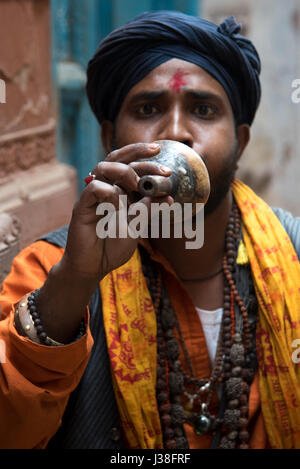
(199, 263)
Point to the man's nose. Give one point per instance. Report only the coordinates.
(175, 127)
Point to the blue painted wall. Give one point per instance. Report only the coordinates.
(77, 28)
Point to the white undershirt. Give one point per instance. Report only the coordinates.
(211, 323)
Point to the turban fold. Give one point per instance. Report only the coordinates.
(129, 53)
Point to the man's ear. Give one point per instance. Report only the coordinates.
(243, 137)
(107, 135)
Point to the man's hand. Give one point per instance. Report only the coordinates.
(88, 258)
(119, 174)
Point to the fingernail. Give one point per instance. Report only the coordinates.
(165, 169)
(153, 146)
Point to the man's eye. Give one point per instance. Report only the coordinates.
(205, 110)
(146, 109)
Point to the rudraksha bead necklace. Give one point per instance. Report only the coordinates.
(231, 369)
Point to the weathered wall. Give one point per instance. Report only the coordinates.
(271, 163)
(33, 185)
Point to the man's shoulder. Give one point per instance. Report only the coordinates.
(291, 225)
(57, 237)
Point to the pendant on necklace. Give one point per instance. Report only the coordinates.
(202, 422)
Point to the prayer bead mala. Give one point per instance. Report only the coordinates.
(233, 366)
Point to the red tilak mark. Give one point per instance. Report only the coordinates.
(177, 80)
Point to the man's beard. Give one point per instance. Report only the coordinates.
(220, 183)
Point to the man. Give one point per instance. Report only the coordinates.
(176, 333)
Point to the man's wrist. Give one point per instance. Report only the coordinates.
(25, 325)
(62, 301)
(71, 272)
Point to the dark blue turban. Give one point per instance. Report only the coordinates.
(129, 53)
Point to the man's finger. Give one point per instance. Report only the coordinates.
(133, 152)
(143, 168)
(117, 173)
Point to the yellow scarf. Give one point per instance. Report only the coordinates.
(276, 273)
(130, 326)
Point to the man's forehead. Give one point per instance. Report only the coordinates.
(177, 77)
(175, 67)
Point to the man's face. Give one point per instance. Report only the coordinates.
(180, 101)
